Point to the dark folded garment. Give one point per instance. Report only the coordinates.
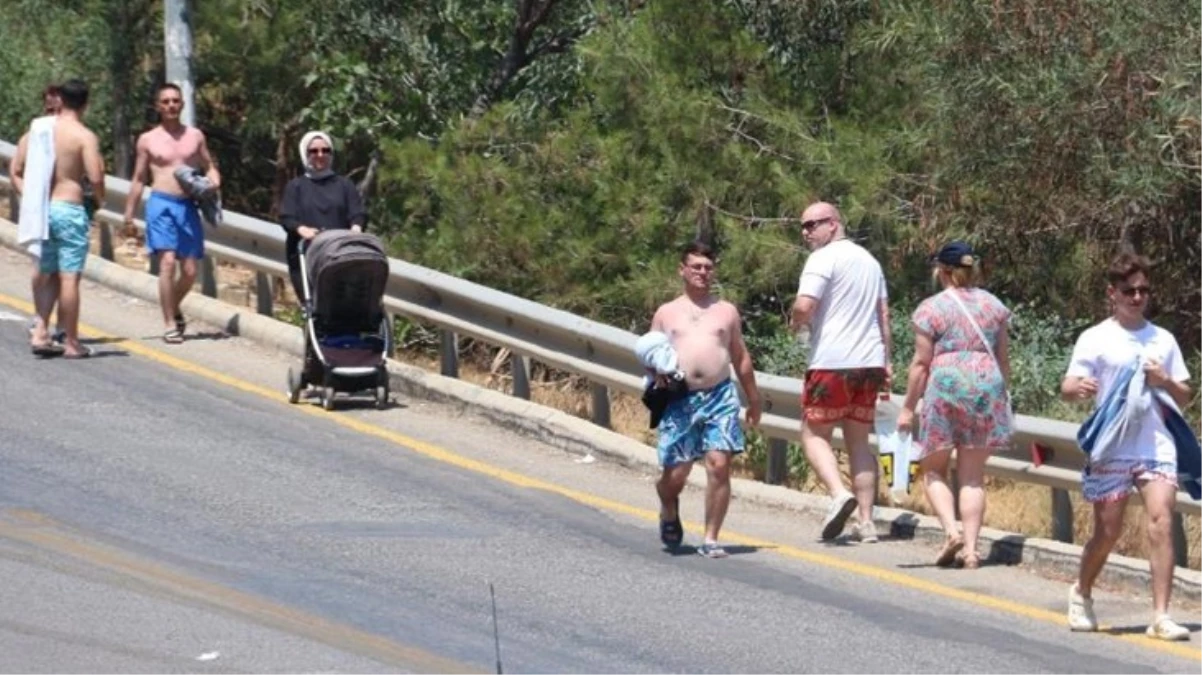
(657, 398)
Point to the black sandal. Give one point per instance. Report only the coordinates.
(181, 324)
(671, 532)
(47, 350)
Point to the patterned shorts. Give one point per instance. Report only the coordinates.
(1116, 479)
(830, 396)
(699, 422)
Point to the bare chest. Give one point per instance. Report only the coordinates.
(691, 323)
(166, 150)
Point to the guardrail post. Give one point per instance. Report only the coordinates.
(263, 294)
(520, 368)
(208, 278)
(449, 353)
(1180, 543)
(391, 318)
(1062, 516)
(778, 466)
(106, 240)
(600, 405)
(154, 264)
(14, 205)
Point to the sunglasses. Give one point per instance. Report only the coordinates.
(701, 267)
(320, 151)
(809, 225)
(1131, 291)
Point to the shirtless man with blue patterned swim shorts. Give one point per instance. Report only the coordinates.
(707, 335)
(65, 249)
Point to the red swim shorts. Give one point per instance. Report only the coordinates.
(830, 396)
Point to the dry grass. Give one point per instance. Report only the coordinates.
(1011, 506)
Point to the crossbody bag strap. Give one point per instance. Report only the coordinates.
(981, 334)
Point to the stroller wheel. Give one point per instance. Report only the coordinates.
(295, 385)
(382, 397)
(327, 398)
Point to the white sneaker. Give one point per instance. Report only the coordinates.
(1080, 612)
(865, 532)
(836, 516)
(1164, 628)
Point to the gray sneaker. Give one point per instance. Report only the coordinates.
(836, 516)
(865, 533)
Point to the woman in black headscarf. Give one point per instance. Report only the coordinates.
(319, 200)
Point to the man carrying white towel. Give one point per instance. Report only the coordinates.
(61, 153)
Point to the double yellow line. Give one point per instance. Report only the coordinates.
(513, 478)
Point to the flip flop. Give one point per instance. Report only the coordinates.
(173, 336)
(712, 550)
(47, 350)
(85, 354)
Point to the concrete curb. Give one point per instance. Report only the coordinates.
(573, 434)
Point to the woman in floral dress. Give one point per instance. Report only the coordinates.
(960, 371)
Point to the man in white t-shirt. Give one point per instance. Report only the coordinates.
(842, 300)
(1145, 457)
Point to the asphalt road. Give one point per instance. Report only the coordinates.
(156, 519)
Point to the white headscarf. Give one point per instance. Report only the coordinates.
(304, 152)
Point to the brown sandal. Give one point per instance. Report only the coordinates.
(969, 562)
(948, 555)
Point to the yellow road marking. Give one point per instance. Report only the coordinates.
(438, 453)
(36, 529)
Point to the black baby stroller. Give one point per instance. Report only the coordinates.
(347, 335)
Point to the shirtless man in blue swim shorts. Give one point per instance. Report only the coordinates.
(707, 335)
(76, 157)
(173, 228)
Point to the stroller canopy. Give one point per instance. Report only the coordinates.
(348, 272)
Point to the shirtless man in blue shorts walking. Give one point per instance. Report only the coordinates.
(173, 228)
(64, 251)
(707, 335)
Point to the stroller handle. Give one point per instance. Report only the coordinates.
(302, 244)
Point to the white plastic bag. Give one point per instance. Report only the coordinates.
(896, 467)
(895, 449)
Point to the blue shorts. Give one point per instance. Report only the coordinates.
(67, 248)
(173, 224)
(702, 421)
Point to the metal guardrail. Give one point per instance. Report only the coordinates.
(603, 354)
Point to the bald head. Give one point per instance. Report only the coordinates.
(819, 210)
(821, 224)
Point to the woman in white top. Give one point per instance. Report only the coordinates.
(1144, 461)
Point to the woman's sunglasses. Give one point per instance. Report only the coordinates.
(319, 151)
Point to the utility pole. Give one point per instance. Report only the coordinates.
(177, 39)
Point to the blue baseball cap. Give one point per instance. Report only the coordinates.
(956, 254)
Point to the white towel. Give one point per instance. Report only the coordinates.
(654, 350)
(33, 225)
